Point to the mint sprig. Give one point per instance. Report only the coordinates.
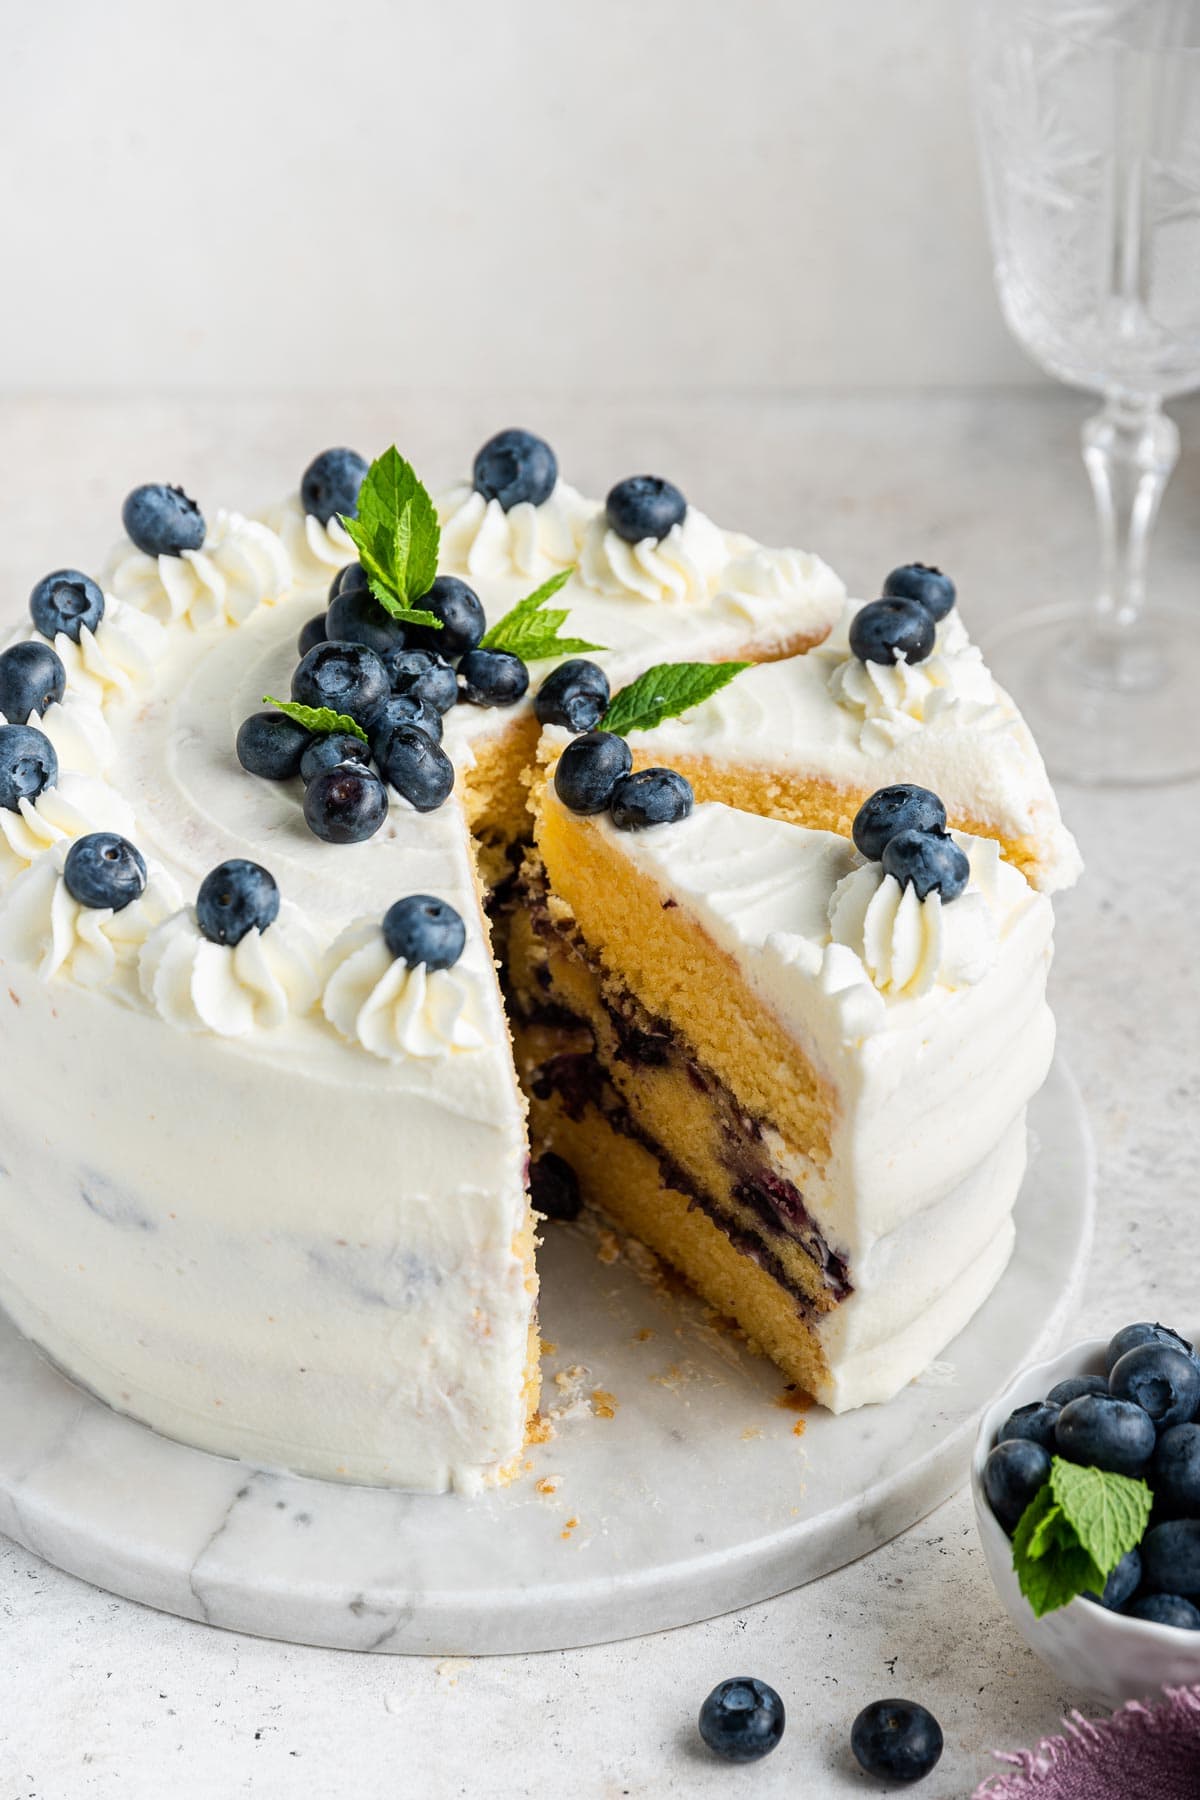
(664, 691)
(397, 535)
(316, 718)
(1075, 1531)
(531, 629)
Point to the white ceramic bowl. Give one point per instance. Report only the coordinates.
(1113, 1657)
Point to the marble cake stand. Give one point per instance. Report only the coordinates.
(678, 1482)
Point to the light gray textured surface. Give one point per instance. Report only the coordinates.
(99, 1698)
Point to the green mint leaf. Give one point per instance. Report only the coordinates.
(316, 718)
(407, 615)
(396, 532)
(1051, 1565)
(664, 691)
(1108, 1513)
(531, 631)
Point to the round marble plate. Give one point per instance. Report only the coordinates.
(678, 1482)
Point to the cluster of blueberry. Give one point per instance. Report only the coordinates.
(894, 1740)
(1140, 1420)
(904, 828)
(593, 775)
(904, 623)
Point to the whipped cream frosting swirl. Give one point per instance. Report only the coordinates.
(760, 577)
(481, 539)
(951, 690)
(241, 565)
(315, 552)
(120, 655)
(77, 805)
(79, 732)
(395, 1010)
(45, 927)
(683, 566)
(231, 990)
(909, 946)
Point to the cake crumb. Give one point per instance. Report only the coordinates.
(548, 1348)
(798, 1428)
(604, 1404)
(571, 1525)
(608, 1247)
(751, 1431)
(794, 1399)
(540, 1430)
(644, 1335)
(450, 1668)
(547, 1485)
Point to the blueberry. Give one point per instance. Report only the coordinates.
(896, 1740)
(404, 709)
(1171, 1558)
(651, 797)
(894, 809)
(28, 765)
(884, 630)
(574, 695)
(1012, 1475)
(554, 1187)
(312, 634)
(347, 677)
(492, 678)
(1035, 1422)
(162, 521)
(271, 745)
(355, 616)
(1123, 1582)
(31, 679)
(1163, 1381)
(461, 612)
(330, 484)
(346, 804)
(742, 1719)
(1105, 1433)
(417, 768)
(423, 673)
(1075, 1387)
(589, 769)
(923, 583)
(349, 577)
(66, 601)
(237, 897)
(103, 869)
(1166, 1609)
(1145, 1333)
(644, 506)
(515, 466)
(422, 929)
(329, 748)
(930, 860)
(1175, 1472)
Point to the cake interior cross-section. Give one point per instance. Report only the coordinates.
(387, 873)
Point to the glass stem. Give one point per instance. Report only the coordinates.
(1130, 448)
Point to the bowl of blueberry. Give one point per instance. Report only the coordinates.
(1086, 1482)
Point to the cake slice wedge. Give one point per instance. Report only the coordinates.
(792, 1077)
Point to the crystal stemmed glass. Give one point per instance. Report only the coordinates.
(1089, 128)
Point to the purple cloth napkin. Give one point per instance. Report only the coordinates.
(1140, 1753)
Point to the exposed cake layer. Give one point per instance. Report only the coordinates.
(809, 739)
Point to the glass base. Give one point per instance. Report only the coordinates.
(1107, 710)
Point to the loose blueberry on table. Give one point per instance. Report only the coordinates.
(923, 583)
(28, 765)
(742, 1719)
(235, 898)
(516, 468)
(104, 869)
(32, 678)
(162, 520)
(896, 1740)
(574, 695)
(644, 506)
(588, 770)
(66, 601)
(330, 484)
(423, 929)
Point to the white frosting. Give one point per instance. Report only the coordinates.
(196, 985)
(315, 552)
(761, 581)
(242, 565)
(683, 566)
(481, 540)
(119, 656)
(78, 731)
(395, 1011)
(76, 805)
(45, 927)
(908, 945)
(950, 691)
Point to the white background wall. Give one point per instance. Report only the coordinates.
(673, 195)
